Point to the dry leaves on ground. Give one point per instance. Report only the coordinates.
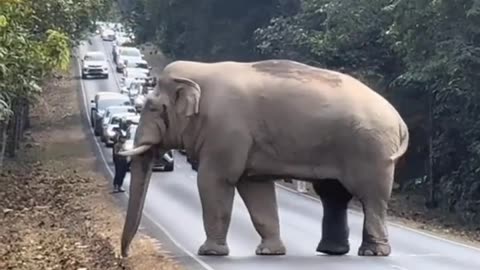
(56, 210)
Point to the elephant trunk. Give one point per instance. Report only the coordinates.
(141, 171)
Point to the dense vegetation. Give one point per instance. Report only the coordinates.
(36, 39)
(423, 55)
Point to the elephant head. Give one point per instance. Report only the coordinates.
(163, 118)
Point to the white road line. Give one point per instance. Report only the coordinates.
(164, 230)
(396, 267)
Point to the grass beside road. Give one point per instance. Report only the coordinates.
(56, 210)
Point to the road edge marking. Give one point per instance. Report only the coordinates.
(105, 163)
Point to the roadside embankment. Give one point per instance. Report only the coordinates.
(56, 210)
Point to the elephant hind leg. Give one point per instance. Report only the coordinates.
(260, 200)
(335, 231)
(374, 199)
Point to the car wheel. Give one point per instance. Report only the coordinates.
(96, 131)
(105, 77)
(91, 120)
(84, 76)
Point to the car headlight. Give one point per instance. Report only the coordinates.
(105, 68)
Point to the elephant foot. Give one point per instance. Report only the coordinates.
(333, 247)
(271, 247)
(213, 249)
(374, 249)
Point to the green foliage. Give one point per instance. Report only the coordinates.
(416, 53)
(36, 38)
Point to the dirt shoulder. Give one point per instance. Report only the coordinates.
(56, 209)
(405, 209)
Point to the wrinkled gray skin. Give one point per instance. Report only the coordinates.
(251, 123)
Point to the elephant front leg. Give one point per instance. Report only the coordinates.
(335, 231)
(216, 196)
(261, 202)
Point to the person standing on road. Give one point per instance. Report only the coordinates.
(120, 163)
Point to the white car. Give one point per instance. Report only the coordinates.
(111, 110)
(135, 76)
(139, 102)
(94, 63)
(121, 38)
(107, 34)
(129, 54)
(132, 87)
(140, 65)
(114, 122)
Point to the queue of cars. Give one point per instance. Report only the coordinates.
(116, 115)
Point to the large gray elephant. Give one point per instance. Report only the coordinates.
(251, 123)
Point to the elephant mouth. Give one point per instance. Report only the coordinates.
(136, 151)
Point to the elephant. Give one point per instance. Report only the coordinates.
(251, 123)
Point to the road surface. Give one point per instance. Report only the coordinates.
(173, 215)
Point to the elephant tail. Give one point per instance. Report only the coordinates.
(404, 141)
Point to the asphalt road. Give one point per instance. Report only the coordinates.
(173, 213)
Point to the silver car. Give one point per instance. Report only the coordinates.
(108, 114)
(101, 102)
(114, 122)
(107, 34)
(129, 54)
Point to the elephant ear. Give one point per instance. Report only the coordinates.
(187, 97)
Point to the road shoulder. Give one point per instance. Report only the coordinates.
(57, 211)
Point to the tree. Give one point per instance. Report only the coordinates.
(33, 43)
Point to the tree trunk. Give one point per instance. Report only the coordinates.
(4, 128)
(432, 196)
(12, 131)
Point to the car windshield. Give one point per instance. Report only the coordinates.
(130, 52)
(115, 121)
(94, 57)
(136, 75)
(120, 109)
(105, 103)
(141, 65)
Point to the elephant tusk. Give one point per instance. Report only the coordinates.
(135, 151)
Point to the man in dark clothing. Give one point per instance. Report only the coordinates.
(121, 164)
